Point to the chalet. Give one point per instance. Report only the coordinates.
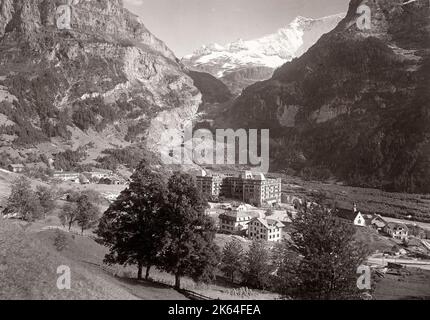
(265, 229)
(379, 223)
(397, 231)
(234, 221)
(16, 168)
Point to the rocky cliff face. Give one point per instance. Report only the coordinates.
(243, 63)
(106, 77)
(356, 104)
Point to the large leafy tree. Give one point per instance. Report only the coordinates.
(133, 226)
(46, 198)
(69, 214)
(79, 210)
(189, 243)
(23, 201)
(233, 257)
(258, 266)
(329, 255)
(87, 213)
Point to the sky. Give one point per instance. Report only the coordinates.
(186, 25)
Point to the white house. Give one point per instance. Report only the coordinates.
(265, 229)
(361, 220)
(369, 220)
(397, 231)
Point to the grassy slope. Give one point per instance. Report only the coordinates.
(373, 240)
(30, 271)
(89, 255)
(28, 264)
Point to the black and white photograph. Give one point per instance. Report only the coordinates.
(214, 156)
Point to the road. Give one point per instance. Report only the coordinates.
(383, 261)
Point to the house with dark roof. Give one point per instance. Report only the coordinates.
(235, 221)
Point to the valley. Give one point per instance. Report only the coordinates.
(89, 113)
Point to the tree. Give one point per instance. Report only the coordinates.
(68, 215)
(269, 212)
(60, 241)
(23, 201)
(133, 226)
(190, 249)
(87, 214)
(46, 198)
(285, 262)
(257, 266)
(232, 259)
(329, 255)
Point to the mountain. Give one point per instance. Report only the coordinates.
(356, 105)
(242, 63)
(106, 83)
(212, 89)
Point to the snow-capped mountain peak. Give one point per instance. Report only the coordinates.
(270, 51)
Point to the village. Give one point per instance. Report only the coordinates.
(92, 179)
(251, 206)
(256, 209)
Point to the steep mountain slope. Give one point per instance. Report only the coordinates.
(212, 89)
(356, 104)
(106, 79)
(242, 63)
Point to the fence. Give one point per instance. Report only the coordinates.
(194, 295)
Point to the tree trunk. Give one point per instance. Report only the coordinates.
(177, 282)
(140, 271)
(70, 225)
(148, 268)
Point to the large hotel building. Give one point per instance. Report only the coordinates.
(249, 187)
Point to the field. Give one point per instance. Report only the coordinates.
(414, 285)
(414, 207)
